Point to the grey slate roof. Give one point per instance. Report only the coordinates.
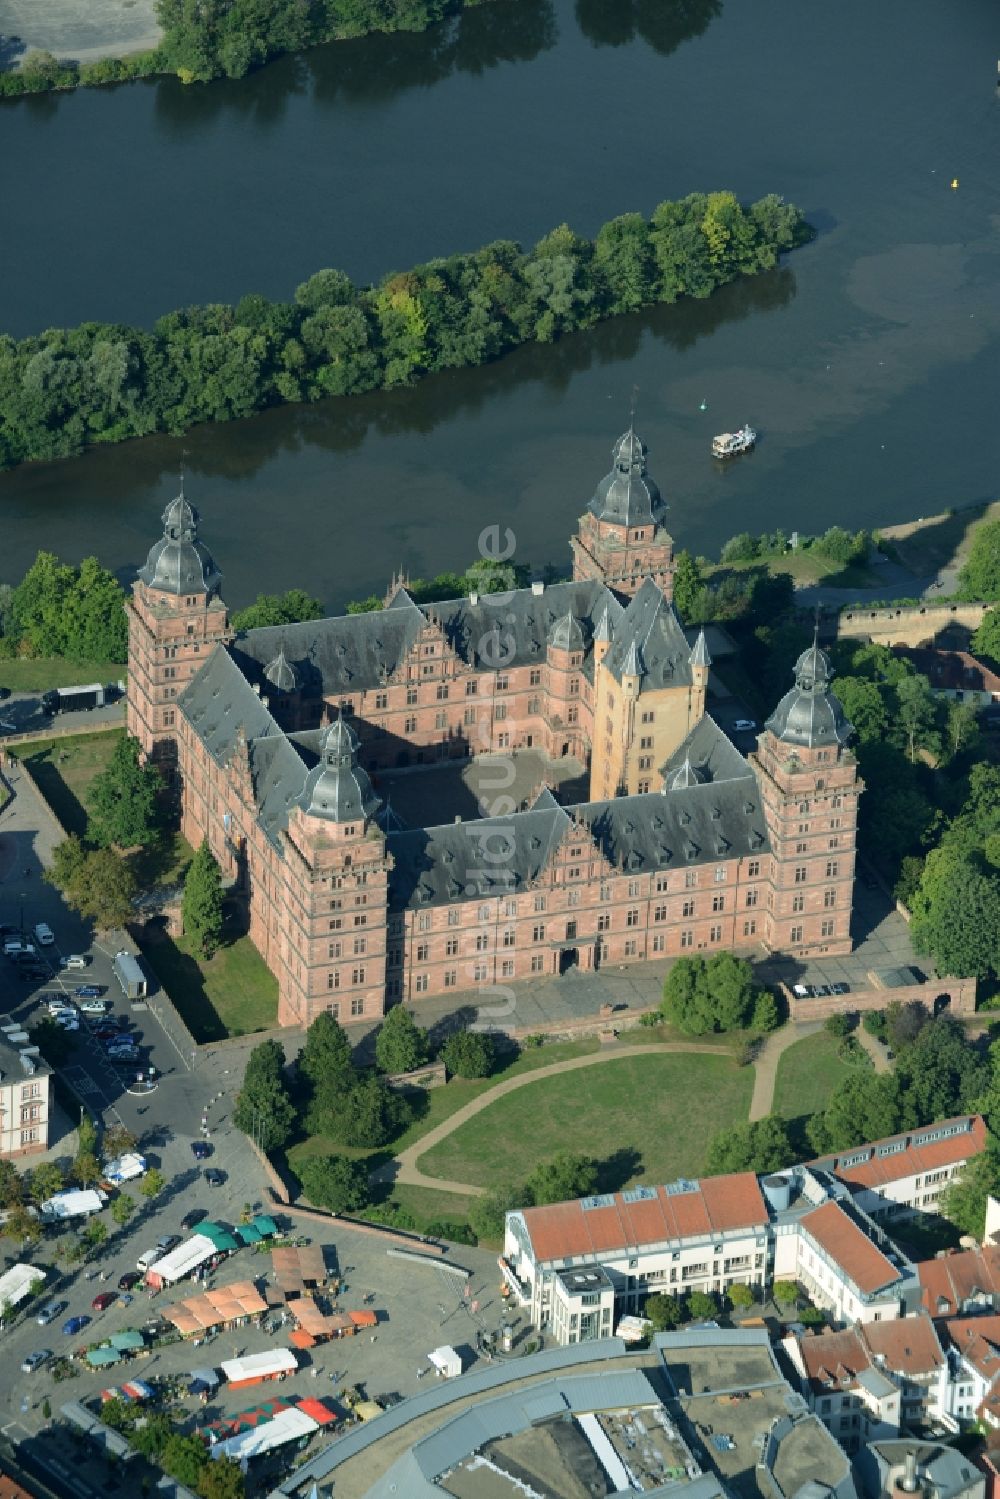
(218, 703)
(281, 675)
(809, 714)
(338, 789)
(718, 816)
(700, 655)
(651, 626)
(627, 496)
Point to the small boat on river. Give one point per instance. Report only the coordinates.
(728, 444)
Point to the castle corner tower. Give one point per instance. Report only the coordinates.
(175, 616)
(621, 536)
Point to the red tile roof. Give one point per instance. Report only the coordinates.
(978, 1341)
(949, 1281)
(908, 1346)
(949, 670)
(849, 1247)
(919, 1154)
(714, 1205)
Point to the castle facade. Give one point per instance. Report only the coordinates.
(684, 845)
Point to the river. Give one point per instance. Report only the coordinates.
(868, 362)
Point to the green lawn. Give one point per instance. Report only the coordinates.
(804, 566)
(232, 994)
(808, 1072)
(64, 768)
(643, 1117)
(56, 671)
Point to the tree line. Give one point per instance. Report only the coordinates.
(206, 39)
(64, 389)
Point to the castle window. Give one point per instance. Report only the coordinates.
(688, 908)
(751, 897)
(573, 898)
(687, 938)
(334, 951)
(482, 942)
(798, 903)
(450, 978)
(802, 848)
(690, 879)
(360, 946)
(534, 705)
(833, 843)
(538, 934)
(800, 874)
(510, 908)
(357, 1006)
(659, 943)
(168, 719)
(333, 980)
(427, 671)
(507, 969)
(508, 937)
(357, 975)
(420, 983)
(381, 700)
(631, 949)
(336, 924)
(574, 686)
(646, 743)
(469, 716)
(829, 898)
(537, 963)
(803, 807)
(428, 650)
(470, 687)
(534, 678)
(660, 913)
(715, 934)
(361, 921)
(333, 1010)
(795, 935)
(479, 972)
(424, 921)
(718, 902)
(423, 952)
(409, 726)
(500, 712)
(503, 682)
(720, 873)
(441, 720)
(442, 692)
(832, 868)
(451, 948)
(454, 916)
(539, 902)
(647, 716)
(645, 762)
(604, 922)
(662, 883)
(753, 868)
(483, 914)
(633, 887)
(411, 697)
(632, 917)
(836, 801)
(827, 928)
(503, 741)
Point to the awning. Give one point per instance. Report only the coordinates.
(221, 1239)
(301, 1339)
(124, 1341)
(364, 1319)
(319, 1412)
(97, 1358)
(137, 1389)
(265, 1226)
(247, 1234)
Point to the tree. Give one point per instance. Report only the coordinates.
(839, 1024)
(717, 994)
(766, 1016)
(701, 1305)
(761, 1145)
(335, 1182)
(916, 715)
(368, 1114)
(563, 1177)
(785, 1292)
(278, 609)
(202, 904)
(221, 1479)
(95, 1233)
(21, 1226)
(863, 1107)
(85, 1168)
(122, 1209)
(740, 1297)
(123, 799)
(665, 1312)
(118, 1140)
(956, 914)
(963, 1201)
(327, 1050)
(986, 640)
(962, 728)
(688, 584)
(864, 702)
(980, 577)
(939, 1075)
(11, 1185)
(152, 1183)
(99, 885)
(902, 1024)
(488, 1213)
(184, 1458)
(68, 860)
(86, 1134)
(46, 1180)
(469, 1054)
(264, 1110)
(401, 1045)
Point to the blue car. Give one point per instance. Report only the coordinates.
(75, 1325)
(201, 1150)
(88, 991)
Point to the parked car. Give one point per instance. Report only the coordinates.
(214, 1176)
(841, 988)
(130, 1279)
(124, 1054)
(194, 1217)
(44, 934)
(75, 1325)
(167, 1241)
(36, 1360)
(801, 991)
(93, 1006)
(744, 725)
(74, 960)
(65, 1021)
(201, 1149)
(56, 1003)
(101, 1302)
(49, 1312)
(90, 991)
(106, 1033)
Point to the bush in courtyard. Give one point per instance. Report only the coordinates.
(785, 1292)
(562, 1178)
(839, 1024)
(665, 1312)
(701, 1305)
(740, 1297)
(401, 1045)
(873, 1022)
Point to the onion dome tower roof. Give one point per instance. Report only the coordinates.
(809, 714)
(627, 496)
(337, 788)
(179, 562)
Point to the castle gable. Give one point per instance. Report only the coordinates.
(465, 860)
(699, 824)
(486, 635)
(712, 753)
(649, 632)
(339, 656)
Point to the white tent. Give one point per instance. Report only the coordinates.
(16, 1282)
(446, 1361)
(256, 1366)
(72, 1204)
(286, 1426)
(180, 1261)
(125, 1168)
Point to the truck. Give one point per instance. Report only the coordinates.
(74, 699)
(129, 975)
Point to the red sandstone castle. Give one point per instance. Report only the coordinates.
(683, 846)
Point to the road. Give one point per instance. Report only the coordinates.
(22, 713)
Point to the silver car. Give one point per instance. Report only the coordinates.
(36, 1360)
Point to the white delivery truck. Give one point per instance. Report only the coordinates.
(129, 975)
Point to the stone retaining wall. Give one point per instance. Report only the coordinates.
(914, 625)
(960, 994)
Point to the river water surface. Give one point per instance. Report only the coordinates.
(868, 362)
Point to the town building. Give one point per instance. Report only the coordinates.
(961, 1283)
(907, 1173)
(973, 1345)
(955, 674)
(928, 1470)
(25, 1083)
(276, 739)
(874, 1379)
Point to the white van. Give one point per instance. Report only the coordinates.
(43, 934)
(150, 1257)
(75, 960)
(14, 947)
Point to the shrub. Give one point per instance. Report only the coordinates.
(875, 1024)
(469, 1054)
(839, 1024)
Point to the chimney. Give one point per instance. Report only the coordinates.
(538, 589)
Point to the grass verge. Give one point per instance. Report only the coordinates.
(64, 768)
(38, 675)
(232, 994)
(808, 1073)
